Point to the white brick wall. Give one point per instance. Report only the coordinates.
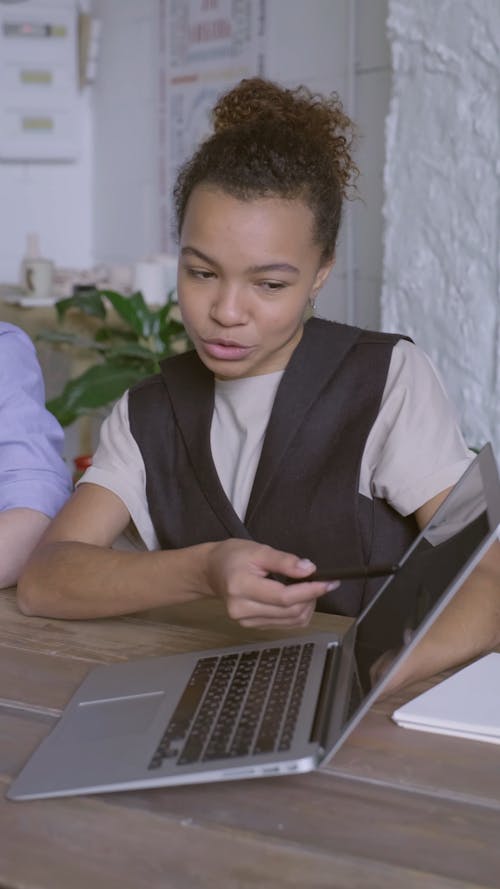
(442, 259)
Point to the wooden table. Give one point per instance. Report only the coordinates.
(395, 808)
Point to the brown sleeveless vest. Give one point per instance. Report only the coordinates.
(305, 496)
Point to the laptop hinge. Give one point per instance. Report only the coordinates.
(322, 715)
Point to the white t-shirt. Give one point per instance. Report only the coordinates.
(414, 450)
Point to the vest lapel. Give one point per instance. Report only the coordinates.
(311, 366)
(192, 396)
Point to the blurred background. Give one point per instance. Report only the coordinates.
(101, 100)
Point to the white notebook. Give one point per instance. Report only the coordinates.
(466, 705)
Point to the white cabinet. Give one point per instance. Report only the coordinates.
(38, 81)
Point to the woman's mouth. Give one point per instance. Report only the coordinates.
(225, 350)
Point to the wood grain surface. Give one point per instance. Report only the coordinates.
(394, 808)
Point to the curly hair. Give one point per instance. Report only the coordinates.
(269, 141)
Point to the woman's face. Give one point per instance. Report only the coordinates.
(247, 270)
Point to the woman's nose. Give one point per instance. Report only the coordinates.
(229, 306)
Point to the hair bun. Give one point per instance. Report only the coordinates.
(256, 101)
(251, 101)
(269, 140)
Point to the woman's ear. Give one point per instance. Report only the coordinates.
(321, 276)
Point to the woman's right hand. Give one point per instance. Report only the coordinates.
(238, 572)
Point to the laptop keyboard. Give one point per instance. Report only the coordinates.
(237, 704)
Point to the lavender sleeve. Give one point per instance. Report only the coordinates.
(32, 471)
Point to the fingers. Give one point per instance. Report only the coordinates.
(299, 618)
(239, 608)
(270, 599)
(250, 613)
(238, 572)
(272, 592)
(291, 566)
(265, 560)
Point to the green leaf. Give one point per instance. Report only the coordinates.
(175, 329)
(131, 350)
(164, 312)
(110, 333)
(89, 303)
(134, 311)
(61, 337)
(96, 387)
(128, 352)
(170, 329)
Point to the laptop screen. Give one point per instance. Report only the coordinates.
(437, 563)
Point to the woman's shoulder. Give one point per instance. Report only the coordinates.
(413, 368)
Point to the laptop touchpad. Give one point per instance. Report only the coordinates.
(130, 715)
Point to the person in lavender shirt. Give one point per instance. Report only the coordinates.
(34, 480)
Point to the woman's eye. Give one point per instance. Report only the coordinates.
(273, 285)
(201, 274)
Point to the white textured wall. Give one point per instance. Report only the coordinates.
(442, 260)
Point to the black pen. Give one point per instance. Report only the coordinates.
(351, 573)
(360, 571)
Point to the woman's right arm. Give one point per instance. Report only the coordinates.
(74, 573)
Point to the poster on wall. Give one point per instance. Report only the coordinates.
(204, 47)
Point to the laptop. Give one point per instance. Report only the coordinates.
(263, 709)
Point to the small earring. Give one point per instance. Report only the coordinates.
(312, 303)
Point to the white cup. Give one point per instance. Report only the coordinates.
(38, 277)
(150, 279)
(120, 278)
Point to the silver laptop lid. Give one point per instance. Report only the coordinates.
(429, 575)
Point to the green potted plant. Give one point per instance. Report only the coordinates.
(127, 348)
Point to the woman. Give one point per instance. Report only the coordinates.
(278, 445)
